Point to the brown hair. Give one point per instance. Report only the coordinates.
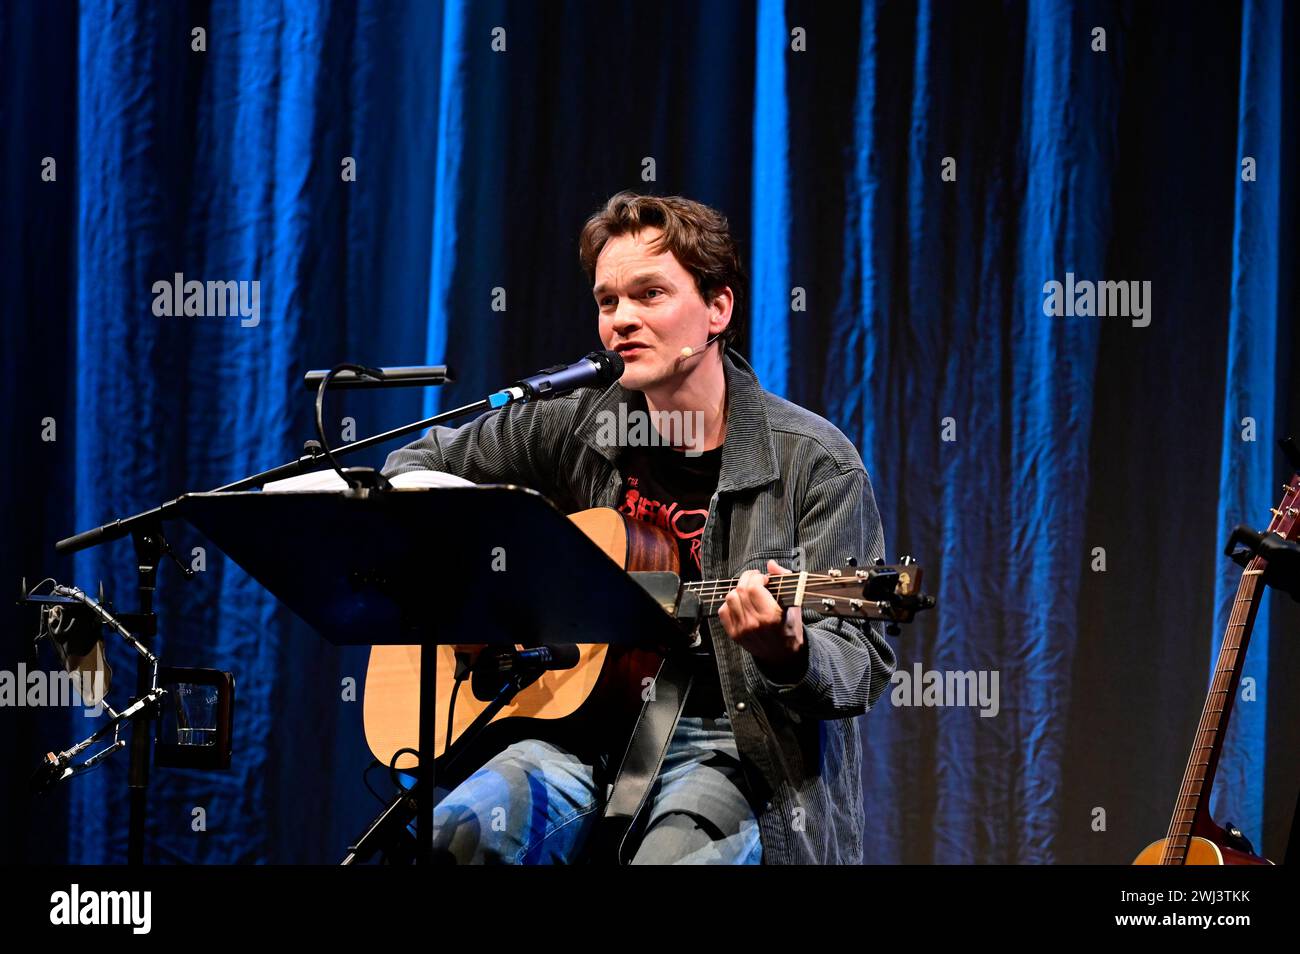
(696, 234)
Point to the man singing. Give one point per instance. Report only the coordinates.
(765, 761)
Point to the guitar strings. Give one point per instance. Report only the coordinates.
(1178, 837)
(808, 594)
(785, 582)
(785, 586)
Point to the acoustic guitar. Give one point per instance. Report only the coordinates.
(1193, 837)
(601, 695)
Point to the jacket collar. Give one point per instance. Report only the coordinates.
(748, 454)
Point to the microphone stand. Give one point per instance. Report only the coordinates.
(146, 530)
(312, 459)
(137, 630)
(551, 382)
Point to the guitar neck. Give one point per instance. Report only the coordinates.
(786, 589)
(1198, 778)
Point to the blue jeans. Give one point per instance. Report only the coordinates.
(536, 803)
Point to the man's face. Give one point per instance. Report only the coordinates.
(650, 310)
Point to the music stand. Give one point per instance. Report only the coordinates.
(427, 566)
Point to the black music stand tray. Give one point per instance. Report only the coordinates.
(415, 566)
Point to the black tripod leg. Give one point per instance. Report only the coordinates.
(424, 787)
(387, 831)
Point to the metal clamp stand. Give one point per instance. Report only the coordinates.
(138, 629)
(56, 768)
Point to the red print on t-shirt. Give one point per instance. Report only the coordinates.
(686, 525)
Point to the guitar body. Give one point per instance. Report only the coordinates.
(594, 701)
(1208, 846)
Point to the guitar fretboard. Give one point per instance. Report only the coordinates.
(1198, 778)
(713, 593)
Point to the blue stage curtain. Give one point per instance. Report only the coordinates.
(1251, 399)
(406, 181)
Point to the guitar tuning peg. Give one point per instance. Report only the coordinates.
(880, 561)
(893, 630)
(906, 561)
(851, 561)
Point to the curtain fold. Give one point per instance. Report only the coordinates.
(1249, 473)
(770, 276)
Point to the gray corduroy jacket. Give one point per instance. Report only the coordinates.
(789, 480)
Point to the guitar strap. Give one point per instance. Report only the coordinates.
(641, 762)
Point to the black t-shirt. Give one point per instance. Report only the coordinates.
(672, 490)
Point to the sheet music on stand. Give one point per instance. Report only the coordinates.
(328, 480)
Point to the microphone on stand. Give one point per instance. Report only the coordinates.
(493, 669)
(599, 369)
(554, 656)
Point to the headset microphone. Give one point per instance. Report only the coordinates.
(687, 352)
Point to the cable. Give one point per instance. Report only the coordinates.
(393, 769)
(357, 369)
(365, 780)
(48, 579)
(451, 710)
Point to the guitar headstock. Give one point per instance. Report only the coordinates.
(1286, 515)
(1273, 553)
(886, 591)
(1285, 523)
